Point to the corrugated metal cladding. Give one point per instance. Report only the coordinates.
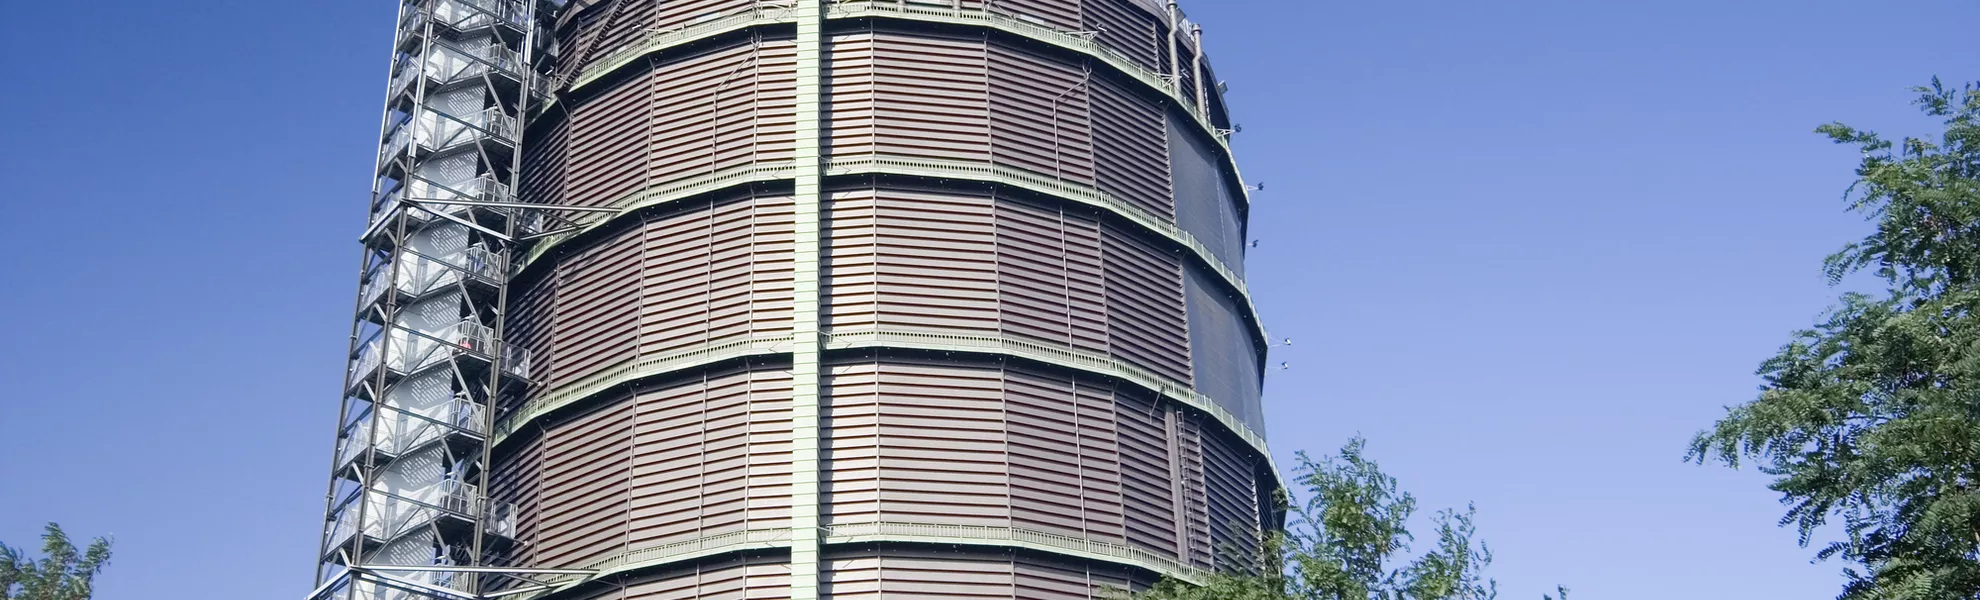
(971, 439)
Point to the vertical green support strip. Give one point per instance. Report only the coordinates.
(805, 333)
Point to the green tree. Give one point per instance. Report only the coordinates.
(1347, 541)
(63, 573)
(1869, 423)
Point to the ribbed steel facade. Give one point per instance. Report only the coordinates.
(930, 298)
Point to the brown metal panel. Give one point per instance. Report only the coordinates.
(731, 258)
(667, 465)
(1131, 30)
(718, 272)
(605, 593)
(753, 578)
(1232, 485)
(698, 457)
(1046, 482)
(849, 481)
(626, 27)
(597, 315)
(517, 479)
(530, 324)
(1196, 502)
(1061, 442)
(1038, 114)
(677, 13)
(936, 260)
(1131, 145)
(545, 160)
(932, 95)
(676, 281)
(850, 268)
(917, 443)
(768, 464)
(1049, 275)
(575, 38)
(1145, 314)
(775, 100)
(1096, 425)
(850, 578)
(850, 108)
(1147, 473)
(941, 447)
(900, 572)
(1060, 14)
(701, 109)
(1058, 441)
(608, 134)
(1039, 578)
(586, 480)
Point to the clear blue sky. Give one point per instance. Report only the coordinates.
(1527, 249)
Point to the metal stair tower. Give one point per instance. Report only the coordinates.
(406, 515)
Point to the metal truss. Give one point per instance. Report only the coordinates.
(408, 512)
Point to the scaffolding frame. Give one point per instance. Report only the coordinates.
(407, 513)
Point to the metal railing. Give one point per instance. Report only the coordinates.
(1041, 183)
(476, 262)
(480, 189)
(405, 71)
(486, 264)
(515, 360)
(630, 370)
(458, 416)
(1051, 353)
(1083, 42)
(444, 132)
(396, 141)
(1026, 537)
(369, 357)
(414, 350)
(668, 192)
(1056, 187)
(466, 15)
(654, 39)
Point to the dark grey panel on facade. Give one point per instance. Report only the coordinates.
(1221, 348)
(1204, 206)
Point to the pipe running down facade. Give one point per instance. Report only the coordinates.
(800, 299)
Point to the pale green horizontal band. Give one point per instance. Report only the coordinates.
(1053, 354)
(1057, 188)
(655, 40)
(1012, 537)
(659, 40)
(1078, 43)
(635, 370)
(1061, 356)
(653, 557)
(679, 189)
(919, 167)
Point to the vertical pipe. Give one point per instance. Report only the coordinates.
(805, 328)
(1178, 496)
(1196, 73)
(1175, 56)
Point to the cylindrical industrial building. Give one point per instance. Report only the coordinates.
(873, 298)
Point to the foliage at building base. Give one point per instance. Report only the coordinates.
(1348, 539)
(63, 573)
